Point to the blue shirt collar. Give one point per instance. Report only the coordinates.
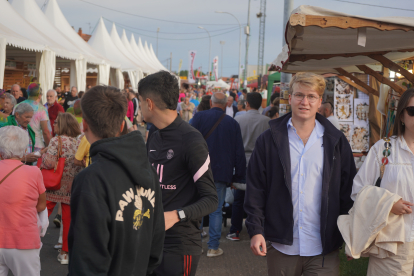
(319, 129)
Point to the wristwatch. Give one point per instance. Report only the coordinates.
(181, 215)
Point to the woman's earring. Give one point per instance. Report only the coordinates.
(403, 123)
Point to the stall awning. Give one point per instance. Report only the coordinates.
(320, 40)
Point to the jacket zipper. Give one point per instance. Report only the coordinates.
(327, 203)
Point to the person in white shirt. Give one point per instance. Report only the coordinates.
(231, 110)
(326, 110)
(391, 161)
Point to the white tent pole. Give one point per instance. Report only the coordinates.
(103, 74)
(2, 60)
(120, 82)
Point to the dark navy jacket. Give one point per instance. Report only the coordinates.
(268, 201)
(225, 145)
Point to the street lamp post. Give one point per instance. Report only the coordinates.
(222, 46)
(209, 52)
(238, 70)
(158, 30)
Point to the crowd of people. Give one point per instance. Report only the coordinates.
(130, 204)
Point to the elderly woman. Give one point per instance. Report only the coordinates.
(187, 108)
(66, 128)
(22, 196)
(392, 159)
(9, 103)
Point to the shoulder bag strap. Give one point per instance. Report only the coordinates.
(215, 126)
(4, 178)
(59, 153)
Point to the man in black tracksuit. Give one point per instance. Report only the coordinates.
(117, 225)
(179, 154)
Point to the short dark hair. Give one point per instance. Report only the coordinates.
(273, 111)
(273, 97)
(162, 88)
(254, 100)
(242, 103)
(104, 109)
(204, 103)
(244, 91)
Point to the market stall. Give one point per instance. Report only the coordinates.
(324, 41)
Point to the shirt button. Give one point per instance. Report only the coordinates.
(301, 227)
(301, 210)
(301, 192)
(301, 174)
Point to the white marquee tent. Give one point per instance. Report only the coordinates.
(56, 17)
(145, 67)
(102, 42)
(23, 39)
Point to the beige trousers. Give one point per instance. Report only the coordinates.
(401, 264)
(279, 264)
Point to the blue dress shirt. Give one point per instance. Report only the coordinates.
(306, 172)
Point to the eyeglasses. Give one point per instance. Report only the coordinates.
(410, 110)
(300, 97)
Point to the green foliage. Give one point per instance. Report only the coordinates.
(352, 268)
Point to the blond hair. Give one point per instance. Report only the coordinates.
(311, 80)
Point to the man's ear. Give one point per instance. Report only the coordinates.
(85, 125)
(122, 126)
(150, 104)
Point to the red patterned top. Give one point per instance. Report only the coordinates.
(69, 148)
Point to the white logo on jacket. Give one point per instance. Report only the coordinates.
(139, 214)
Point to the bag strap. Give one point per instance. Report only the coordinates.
(4, 178)
(59, 153)
(215, 126)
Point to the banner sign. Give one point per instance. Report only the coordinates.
(215, 68)
(192, 55)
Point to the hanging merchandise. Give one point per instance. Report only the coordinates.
(191, 77)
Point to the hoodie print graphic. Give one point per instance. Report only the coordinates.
(139, 213)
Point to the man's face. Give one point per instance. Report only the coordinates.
(187, 100)
(24, 119)
(50, 97)
(229, 101)
(306, 108)
(66, 88)
(322, 110)
(15, 91)
(74, 91)
(239, 106)
(58, 90)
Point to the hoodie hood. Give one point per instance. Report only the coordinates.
(129, 153)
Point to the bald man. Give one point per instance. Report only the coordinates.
(326, 110)
(17, 92)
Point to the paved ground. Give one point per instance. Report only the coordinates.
(236, 260)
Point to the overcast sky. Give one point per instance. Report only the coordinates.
(201, 13)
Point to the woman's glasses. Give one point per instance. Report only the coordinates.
(410, 110)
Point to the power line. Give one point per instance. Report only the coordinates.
(197, 38)
(120, 24)
(370, 5)
(146, 17)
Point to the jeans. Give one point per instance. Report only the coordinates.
(237, 212)
(216, 218)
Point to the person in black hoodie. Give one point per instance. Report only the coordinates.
(180, 154)
(117, 223)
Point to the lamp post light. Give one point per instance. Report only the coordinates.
(209, 53)
(222, 46)
(238, 70)
(158, 30)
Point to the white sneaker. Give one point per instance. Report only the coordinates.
(214, 253)
(58, 246)
(63, 258)
(204, 234)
